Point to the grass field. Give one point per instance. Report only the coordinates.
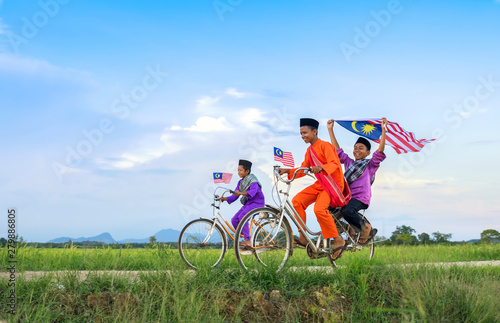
(166, 258)
(360, 291)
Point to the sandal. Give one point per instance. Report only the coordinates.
(297, 243)
(372, 234)
(245, 246)
(342, 249)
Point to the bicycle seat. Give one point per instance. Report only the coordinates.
(334, 210)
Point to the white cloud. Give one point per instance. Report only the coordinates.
(206, 102)
(251, 117)
(171, 143)
(29, 68)
(233, 92)
(3, 27)
(209, 124)
(389, 179)
(467, 114)
(136, 158)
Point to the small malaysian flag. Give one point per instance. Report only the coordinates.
(284, 157)
(222, 178)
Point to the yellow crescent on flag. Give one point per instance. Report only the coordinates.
(353, 125)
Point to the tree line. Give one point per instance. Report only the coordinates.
(403, 235)
(406, 235)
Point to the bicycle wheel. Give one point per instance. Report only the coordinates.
(271, 242)
(368, 249)
(202, 244)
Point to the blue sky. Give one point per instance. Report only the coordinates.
(115, 114)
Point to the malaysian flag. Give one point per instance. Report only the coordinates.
(284, 157)
(222, 178)
(401, 140)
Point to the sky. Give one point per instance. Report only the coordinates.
(116, 114)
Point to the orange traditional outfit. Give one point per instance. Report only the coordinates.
(324, 154)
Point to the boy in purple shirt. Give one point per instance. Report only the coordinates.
(252, 197)
(360, 174)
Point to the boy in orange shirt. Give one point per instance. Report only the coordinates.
(329, 189)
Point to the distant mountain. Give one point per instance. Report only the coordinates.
(166, 235)
(103, 237)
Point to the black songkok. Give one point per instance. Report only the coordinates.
(365, 142)
(309, 122)
(245, 163)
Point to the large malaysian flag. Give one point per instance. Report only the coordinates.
(401, 140)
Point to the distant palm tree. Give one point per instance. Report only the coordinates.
(152, 240)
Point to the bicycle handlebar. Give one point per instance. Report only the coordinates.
(276, 170)
(217, 199)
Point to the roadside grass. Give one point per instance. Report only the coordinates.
(361, 292)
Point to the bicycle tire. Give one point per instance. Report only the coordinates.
(197, 254)
(272, 245)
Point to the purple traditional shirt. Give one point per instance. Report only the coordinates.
(255, 196)
(361, 188)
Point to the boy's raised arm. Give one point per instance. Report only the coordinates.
(381, 146)
(329, 124)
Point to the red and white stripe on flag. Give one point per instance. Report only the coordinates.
(401, 140)
(284, 157)
(222, 178)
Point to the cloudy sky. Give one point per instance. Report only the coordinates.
(114, 115)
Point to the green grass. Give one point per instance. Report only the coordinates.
(360, 291)
(72, 258)
(352, 294)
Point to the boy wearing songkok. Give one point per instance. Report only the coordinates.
(329, 189)
(250, 190)
(360, 174)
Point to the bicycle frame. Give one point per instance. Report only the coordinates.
(276, 233)
(287, 209)
(218, 218)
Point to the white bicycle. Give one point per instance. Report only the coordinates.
(272, 236)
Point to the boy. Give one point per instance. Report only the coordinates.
(330, 189)
(360, 174)
(252, 197)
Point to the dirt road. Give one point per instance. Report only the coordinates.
(134, 275)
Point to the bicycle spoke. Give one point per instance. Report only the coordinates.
(271, 242)
(202, 244)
